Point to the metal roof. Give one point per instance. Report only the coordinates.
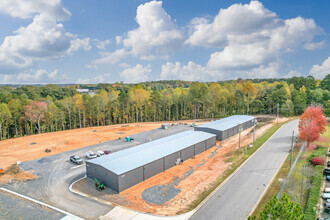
(226, 123)
(129, 159)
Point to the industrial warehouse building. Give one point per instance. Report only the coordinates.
(227, 127)
(123, 169)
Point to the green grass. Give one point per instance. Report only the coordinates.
(236, 158)
(325, 135)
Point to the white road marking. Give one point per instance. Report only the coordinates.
(43, 204)
(71, 168)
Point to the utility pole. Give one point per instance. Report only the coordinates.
(277, 112)
(291, 147)
(239, 136)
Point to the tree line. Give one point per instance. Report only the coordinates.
(26, 110)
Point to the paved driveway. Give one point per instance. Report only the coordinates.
(235, 199)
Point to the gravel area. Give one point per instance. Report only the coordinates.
(13, 207)
(160, 194)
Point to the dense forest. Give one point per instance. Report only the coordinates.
(26, 110)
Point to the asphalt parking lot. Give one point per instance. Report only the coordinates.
(56, 173)
(13, 207)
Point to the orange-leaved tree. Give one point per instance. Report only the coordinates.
(312, 123)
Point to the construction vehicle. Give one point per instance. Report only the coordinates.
(129, 139)
(2, 170)
(99, 185)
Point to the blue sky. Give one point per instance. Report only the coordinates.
(62, 41)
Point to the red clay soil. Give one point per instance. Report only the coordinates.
(192, 186)
(23, 176)
(33, 147)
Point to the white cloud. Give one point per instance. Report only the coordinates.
(155, 37)
(91, 66)
(112, 58)
(103, 78)
(101, 45)
(28, 8)
(292, 73)
(156, 34)
(77, 44)
(83, 81)
(189, 72)
(136, 73)
(119, 39)
(314, 46)
(250, 37)
(124, 65)
(43, 39)
(320, 71)
(38, 76)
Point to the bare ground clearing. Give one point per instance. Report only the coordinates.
(33, 147)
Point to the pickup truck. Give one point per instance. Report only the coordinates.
(76, 159)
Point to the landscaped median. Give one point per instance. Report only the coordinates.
(236, 158)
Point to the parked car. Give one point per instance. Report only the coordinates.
(322, 218)
(107, 152)
(326, 195)
(328, 164)
(327, 190)
(76, 159)
(100, 153)
(326, 171)
(90, 155)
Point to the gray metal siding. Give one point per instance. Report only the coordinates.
(170, 160)
(100, 173)
(130, 178)
(200, 147)
(208, 130)
(210, 142)
(187, 153)
(153, 168)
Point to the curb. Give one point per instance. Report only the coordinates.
(231, 175)
(85, 195)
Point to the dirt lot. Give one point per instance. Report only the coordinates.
(33, 147)
(190, 178)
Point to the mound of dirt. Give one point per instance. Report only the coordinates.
(25, 176)
(20, 176)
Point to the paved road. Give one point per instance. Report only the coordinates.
(235, 199)
(56, 173)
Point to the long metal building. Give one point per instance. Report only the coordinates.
(123, 169)
(227, 127)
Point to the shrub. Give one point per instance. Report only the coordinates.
(318, 161)
(314, 194)
(320, 152)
